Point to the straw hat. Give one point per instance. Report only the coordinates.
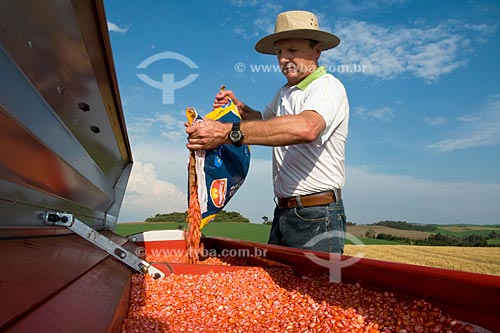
(296, 24)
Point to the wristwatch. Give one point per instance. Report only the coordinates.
(236, 135)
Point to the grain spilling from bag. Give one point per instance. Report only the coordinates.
(274, 299)
(193, 234)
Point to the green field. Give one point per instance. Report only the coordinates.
(495, 242)
(245, 231)
(466, 230)
(463, 230)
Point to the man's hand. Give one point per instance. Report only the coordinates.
(223, 97)
(245, 111)
(207, 134)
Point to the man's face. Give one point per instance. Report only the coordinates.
(297, 59)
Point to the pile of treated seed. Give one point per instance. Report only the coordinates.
(273, 299)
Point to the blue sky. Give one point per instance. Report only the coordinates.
(422, 79)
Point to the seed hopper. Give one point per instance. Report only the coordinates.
(65, 161)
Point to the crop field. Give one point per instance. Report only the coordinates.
(462, 230)
(485, 260)
(361, 230)
(467, 228)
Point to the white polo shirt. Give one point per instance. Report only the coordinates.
(317, 166)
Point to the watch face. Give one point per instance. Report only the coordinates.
(235, 136)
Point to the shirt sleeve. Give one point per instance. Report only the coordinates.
(271, 108)
(327, 97)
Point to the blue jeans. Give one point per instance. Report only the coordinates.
(318, 228)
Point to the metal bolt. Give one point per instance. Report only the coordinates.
(53, 218)
(143, 268)
(84, 106)
(30, 44)
(120, 253)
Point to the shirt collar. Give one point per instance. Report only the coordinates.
(320, 71)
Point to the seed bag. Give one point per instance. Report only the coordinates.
(220, 171)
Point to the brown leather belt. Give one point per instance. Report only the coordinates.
(316, 199)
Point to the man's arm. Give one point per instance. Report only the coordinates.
(284, 130)
(279, 131)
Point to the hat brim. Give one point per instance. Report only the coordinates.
(266, 44)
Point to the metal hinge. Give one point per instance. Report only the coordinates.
(101, 241)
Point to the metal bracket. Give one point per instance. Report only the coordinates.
(101, 241)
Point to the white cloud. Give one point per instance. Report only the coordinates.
(165, 124)
(353, 7)
(169, 157)
(382, 113)
(425, 52)
(147, 195)
(437, 57)
(435, 121)
(468, 118)
(371, 197)
(480, 129)
(115, 28)
(244, 3)
(240, 32)
(266, 18)
(481, 31)
(171, 127)
(139, 126)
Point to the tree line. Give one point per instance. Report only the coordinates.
(446, 240)
(435, 239)
(178, 217)
(402, 225)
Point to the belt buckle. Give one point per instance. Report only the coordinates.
(287, 203)
(291, 202)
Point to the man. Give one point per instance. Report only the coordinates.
(306, 123)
